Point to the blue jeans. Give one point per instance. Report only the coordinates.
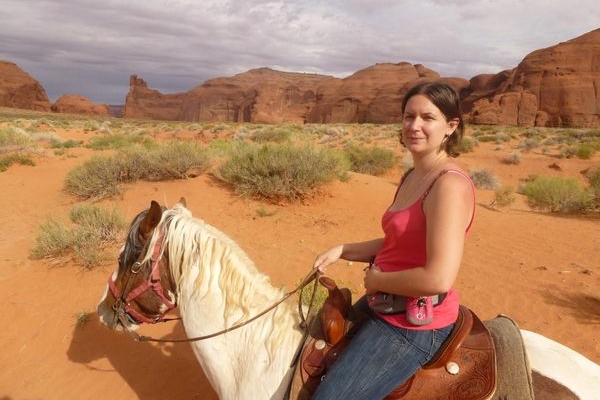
(379, 358)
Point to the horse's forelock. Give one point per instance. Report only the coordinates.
(133, 246)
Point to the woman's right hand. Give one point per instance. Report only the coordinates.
(328, 257)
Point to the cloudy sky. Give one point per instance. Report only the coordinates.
(91, 47)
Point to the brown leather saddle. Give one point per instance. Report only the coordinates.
(464, 368)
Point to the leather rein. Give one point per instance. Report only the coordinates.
(124, 311)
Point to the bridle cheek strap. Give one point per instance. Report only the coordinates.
(153, 283)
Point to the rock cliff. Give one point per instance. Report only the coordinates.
(555, 86)
(267, 96)
(19, 90)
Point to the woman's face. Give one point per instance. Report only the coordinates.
(424, 127)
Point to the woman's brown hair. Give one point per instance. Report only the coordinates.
(445, 98)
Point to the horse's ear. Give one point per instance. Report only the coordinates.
(183, 202)
(151, 220)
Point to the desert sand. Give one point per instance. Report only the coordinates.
(540, 269)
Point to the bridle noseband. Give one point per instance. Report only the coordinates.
(122, 306)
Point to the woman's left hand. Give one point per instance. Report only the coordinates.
(370, 279)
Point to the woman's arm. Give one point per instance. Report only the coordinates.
(448, 209)
(360, 251)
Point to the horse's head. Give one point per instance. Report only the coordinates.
(141, 290)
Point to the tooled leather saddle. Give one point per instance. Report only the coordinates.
(464, 368)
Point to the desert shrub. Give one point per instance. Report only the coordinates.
(513, 158)
(91, 229)
(10, 159)
(568, 151)
(82, 318)
(560, 195)
(272, 134)
(177, 160)
(313, 296)
(485, 138)
(278, 171)
(533, 133)
(96, 178)
(484, 179)
(502, 137)
(64, 144)
(503, 197)
(14, 137)
(100, 176)
(529, 144)
(370, 160)
(54, 239)
(466, 145)
(593, 178)
(585, 151)
(118, 141)
(106, 225)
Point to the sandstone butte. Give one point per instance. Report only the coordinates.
(77, 104)
(555, 86)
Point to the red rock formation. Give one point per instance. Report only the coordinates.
(76, 104)
(19, 90)
(142, 102)
(267, 96)
(260, 95)
(555, 86)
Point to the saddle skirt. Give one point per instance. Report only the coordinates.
(464, 368)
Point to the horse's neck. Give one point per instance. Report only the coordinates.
(246, 363)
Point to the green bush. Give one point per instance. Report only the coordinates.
(370, 160)
(560, 195)
(585, 151)
(278, 171)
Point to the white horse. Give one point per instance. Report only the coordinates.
(172, 259)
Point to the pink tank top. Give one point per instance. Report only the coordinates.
(404, 247)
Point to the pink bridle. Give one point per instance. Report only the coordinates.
(122, 306)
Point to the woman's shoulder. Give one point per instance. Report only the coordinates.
(452, 177)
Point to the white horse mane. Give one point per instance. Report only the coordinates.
(199, 250)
